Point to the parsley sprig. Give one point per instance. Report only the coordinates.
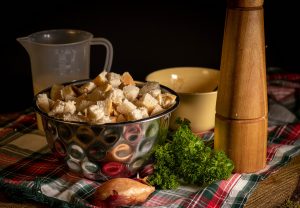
(186, 159)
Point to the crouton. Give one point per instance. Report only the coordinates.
(106, 105)
(148, 101)
(116, 95)
(121, 118)
(70, 107)
(56, 92)
(114, 79)
(126, 107)
(131, 92)
(68, 93)
(101, 79)
(155, 93)
(96, 95)
(105, 87)
(156, 110)
(135, 114)
(83, 104)
(127, 79)
(108, 98)
(43, 102)
(106, 119)
(149, 86)
(74, 117)
(87, 87)
(94, 112)
(167, 100)
(58, 108)
(144, 112)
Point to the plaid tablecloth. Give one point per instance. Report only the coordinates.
(29, 171)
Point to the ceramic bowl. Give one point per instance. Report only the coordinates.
(197, 90)
(105, 151)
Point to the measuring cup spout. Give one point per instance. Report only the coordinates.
(24, 41)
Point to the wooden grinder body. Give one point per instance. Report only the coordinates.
(241, 110)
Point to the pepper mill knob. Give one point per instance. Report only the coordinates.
(241, 110)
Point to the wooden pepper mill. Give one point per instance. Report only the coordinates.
(241, 111)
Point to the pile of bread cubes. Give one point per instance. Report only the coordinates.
(108, 98)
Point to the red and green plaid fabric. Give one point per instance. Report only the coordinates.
(34, 174)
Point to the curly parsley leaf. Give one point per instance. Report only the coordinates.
(185, 158)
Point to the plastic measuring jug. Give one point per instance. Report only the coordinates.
(62, 55)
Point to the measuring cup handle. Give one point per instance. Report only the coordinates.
(109, 51)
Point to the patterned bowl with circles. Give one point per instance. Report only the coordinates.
(104, 151)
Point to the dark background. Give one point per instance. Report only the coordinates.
(146, 36)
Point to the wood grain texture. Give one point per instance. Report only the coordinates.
(243, 141)
(242, 89)
(278, 187)
(242, 109)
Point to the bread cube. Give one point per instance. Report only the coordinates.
(106, 105)
(116, 95)
(127, 79)
(94, 112)
(131, 92)
(126, 107)
(68, 93)
(43, 102)
(101, 79)
(56, 92)
(156, 110)
(70, 107)
(135, 114)
(58, 108)
(149, 86)
(87, 87)
(114, 79)
(148, 101)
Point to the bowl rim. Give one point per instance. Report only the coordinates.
(215, 91)
(78, 82)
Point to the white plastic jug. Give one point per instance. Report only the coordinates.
(59, 56)
(62, 55)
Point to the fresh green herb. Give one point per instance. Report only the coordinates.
(186, 159)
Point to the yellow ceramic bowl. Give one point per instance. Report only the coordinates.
(196, 87)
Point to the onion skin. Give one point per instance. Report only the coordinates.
(122, 191)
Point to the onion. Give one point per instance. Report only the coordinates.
(122, 191)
